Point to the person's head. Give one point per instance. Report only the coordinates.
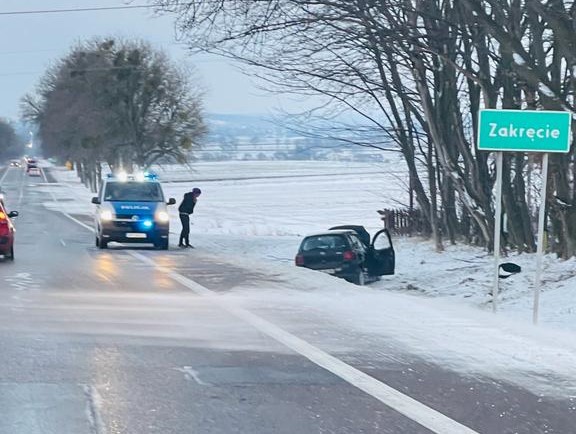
(196, 192)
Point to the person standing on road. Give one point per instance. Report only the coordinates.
(185, 209)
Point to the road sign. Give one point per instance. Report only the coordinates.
(524, 130)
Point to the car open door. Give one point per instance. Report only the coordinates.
(381, 258)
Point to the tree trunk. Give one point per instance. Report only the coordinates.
(562, 206)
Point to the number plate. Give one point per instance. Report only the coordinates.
(135, 235)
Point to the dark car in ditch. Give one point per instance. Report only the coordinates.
(348, 252)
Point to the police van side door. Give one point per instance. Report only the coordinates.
(382, 259)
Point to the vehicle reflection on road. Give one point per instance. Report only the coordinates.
(106, 268)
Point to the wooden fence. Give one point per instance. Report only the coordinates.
(402, 221)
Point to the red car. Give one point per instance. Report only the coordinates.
(7, 232)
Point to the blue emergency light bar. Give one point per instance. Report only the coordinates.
(141, 176)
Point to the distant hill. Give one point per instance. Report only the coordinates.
(253, 137)
(261, 137)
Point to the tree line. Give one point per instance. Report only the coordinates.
(119, 102)
(418, 72)
(11, 143)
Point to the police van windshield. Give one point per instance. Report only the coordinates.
(133, 192)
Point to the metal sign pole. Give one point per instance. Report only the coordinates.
(497, 228)
(540, 248)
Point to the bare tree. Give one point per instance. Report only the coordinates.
(542, 58)
(419, 71)
(120, 102)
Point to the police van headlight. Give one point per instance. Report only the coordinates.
(106, 215)
(162, 217)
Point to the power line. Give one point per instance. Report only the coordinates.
(62, 11)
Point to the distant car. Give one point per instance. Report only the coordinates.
(7, 232)
(31, 164)
(15, 163)
(349, 253)
(34, 171)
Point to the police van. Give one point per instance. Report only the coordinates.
(132, 209)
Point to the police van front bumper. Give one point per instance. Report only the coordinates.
(145, 231)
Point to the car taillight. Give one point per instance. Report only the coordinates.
(4, 228)
(299, 260)
(348, 255)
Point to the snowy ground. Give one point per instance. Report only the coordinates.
(258, 212)
(437, 305)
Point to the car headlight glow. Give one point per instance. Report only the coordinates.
(106, 215)
(147, 223)
(162, 217)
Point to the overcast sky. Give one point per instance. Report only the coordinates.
(30, 42)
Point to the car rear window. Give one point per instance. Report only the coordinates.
(327, 242)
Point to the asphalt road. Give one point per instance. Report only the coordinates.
(133, 340)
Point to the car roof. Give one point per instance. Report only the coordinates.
(361, 231)
(333, 232)
(128, 181)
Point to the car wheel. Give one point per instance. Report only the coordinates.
(97, 241)
(360, 278)
(11, 257)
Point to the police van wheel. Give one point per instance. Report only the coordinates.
(161, 245)
(97, 241)
(101, 243)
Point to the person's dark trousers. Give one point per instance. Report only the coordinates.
(185, 234)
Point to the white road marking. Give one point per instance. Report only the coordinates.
(409, 407)
(21, 194)
(4, 176)
(191, 374)
(45, 179)
(54, 199)
(63, 243)
(94, 404)
(78, 222)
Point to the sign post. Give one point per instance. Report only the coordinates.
(522, 131)
(497, 229)
(540, 248)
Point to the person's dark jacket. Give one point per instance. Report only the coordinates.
(188, 204)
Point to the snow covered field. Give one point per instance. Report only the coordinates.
(258, 212)
(437, 305)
